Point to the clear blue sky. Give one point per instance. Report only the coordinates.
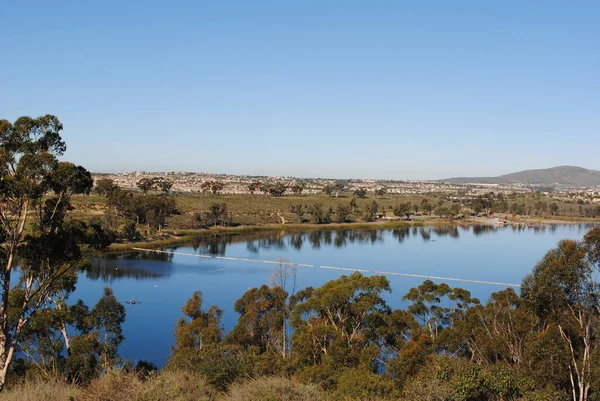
(382, 89)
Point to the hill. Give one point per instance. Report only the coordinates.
(561, 175)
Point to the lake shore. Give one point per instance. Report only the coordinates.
(176, 237)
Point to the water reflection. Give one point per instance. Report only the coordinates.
(108, 270)
(127, 265)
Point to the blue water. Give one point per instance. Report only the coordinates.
(164, 282)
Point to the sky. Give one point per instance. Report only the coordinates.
(340, 89)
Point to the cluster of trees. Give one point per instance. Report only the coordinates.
(213, 186)
(151, 210)
(105, 185)
(499, 203)
(217, 215)
(407, 209)
(334, 189)
(73, 341)
(341, 214)
(154, 183)
(343, 336)
(276, 189)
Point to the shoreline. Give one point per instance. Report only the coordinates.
(182, 236)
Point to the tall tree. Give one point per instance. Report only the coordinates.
(563, 290)
(338, 321)
(146, 184)
(360, 192)
(34, 228)
(164, 185)
(262, 321)
(338, 188)
(107, 317)
(105, 185)
(298, 188)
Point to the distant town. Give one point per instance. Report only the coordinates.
(191, 182)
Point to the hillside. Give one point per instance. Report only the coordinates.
(562, 175)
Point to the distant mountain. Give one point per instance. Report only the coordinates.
(561, 175)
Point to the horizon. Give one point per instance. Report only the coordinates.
(422, 92)
(325, 177)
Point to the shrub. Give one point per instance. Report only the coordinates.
(362, 384)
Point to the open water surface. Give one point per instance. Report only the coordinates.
(163, 282)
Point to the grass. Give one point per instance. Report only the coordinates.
(272, 388)
(256, 213)
(40, 390)
(166, 385)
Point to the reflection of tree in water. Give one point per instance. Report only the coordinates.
(484, 229)
(109, 270)
(425, 233)
(140, 255)
(401, 233)
(296, 241)
(451, 231)
(213, 245)
(341, 238)
(314, 238)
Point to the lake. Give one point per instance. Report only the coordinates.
(163, 282)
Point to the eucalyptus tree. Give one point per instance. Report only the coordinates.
(254, 186)
(360, 192)
(328, 189)
(35, 193)
(107, 316)
(380, 192)
(146, 184)
(164, 185)
(338, 187)
(337, 322)
(563, 290)
(298, 188)
(342, 213)
(105, 185)
(262, 321)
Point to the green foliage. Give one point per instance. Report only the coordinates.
(146, 184)
(336, 324)
(105, 186)
(262, 321)
(152, 210)
(213, 186)
(360, 192)
(370, 211)
(380, 192)
(363, 384)
(342, 213)
(298, 188)
(107, 316)
(35, 193)
(278, 189)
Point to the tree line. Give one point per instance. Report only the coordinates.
(539, 344)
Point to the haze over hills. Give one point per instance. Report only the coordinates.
(561, 175)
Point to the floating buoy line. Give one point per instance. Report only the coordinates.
(386, 273)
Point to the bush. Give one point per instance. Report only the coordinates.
(272, 389)
(362, 384)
